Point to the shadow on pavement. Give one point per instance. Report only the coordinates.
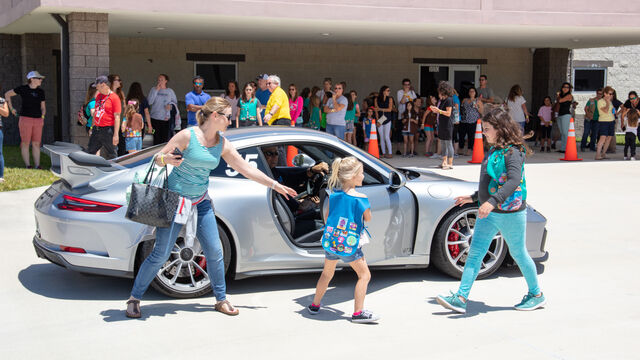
(56, 282)
(473, 308)
(52, 281)
(159, 310)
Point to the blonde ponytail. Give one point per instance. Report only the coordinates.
(343, 170)
(335, 169)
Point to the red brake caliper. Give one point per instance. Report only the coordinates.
(203, 264)
(454, 249)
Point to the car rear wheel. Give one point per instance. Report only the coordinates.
(452, 242)
(184, 274)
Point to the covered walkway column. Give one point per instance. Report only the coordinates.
(88, 58)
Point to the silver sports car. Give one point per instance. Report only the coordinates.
(80, 222)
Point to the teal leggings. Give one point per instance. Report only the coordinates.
(513, 228)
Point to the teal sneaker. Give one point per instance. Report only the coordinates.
(531, 302)
(452, 302)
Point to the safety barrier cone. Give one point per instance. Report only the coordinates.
(571, 149)
(478, 146)
(373, 140)
(291, 153)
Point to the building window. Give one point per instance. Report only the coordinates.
(589, 79)
(216, 74)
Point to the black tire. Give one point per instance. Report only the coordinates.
(440, 256)
(178, 292)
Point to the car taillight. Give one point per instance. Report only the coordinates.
(72, 249)
(77, 204)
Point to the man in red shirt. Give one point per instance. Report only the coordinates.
(106, 120)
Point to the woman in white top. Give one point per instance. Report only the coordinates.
(516, 104)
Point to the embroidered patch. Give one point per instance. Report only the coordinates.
(353, 226)
(329, 229)
(326, 244)
(344, 233)
(340, 247)
(351, 240)
(348, 249)
(342, 223)
(336, 233)
(340, 240)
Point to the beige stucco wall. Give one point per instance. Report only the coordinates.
(364, 68)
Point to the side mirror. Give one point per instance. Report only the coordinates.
(305, 160)
(396, 180)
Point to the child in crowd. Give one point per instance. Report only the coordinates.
(348, 210)
(366, 125)
(544, 113)
(316, 116)
(631, 132)
(428, 124)
(353, 111)
(132, 127)
(409, 128)
(502, 196)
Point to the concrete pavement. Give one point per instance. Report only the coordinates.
(589, 279)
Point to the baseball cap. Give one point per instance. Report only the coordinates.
(262, 77)
(34, 74)
(102, 79)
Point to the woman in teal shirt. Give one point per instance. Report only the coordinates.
(248, 106)
(201, 147)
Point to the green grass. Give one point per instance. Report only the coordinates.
(17, 177)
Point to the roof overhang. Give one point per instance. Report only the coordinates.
(452, 23)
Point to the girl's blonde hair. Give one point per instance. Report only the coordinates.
(343, 170)
(215, 104)
(131, 109)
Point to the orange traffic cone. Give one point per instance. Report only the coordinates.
(291, 152)
(571, 148)
(373, 140)
(478, 146)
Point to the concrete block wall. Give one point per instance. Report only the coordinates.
(88, 58)
(365, 68)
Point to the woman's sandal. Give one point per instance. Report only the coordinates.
(229, 310)
(136, 309)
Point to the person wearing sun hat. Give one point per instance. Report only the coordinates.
(32, 113)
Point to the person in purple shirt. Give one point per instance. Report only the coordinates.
(195, 99)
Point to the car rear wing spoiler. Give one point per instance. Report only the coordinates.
(76, 167)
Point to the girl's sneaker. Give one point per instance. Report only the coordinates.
(531, 302)
(452, 302)
(364, 317)
(313, 309)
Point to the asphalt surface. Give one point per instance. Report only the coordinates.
(590, 281)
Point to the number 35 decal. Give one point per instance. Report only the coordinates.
(250, 158)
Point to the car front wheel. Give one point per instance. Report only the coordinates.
(450, 247)
(184, 274)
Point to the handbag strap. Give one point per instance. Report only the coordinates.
(149, 176)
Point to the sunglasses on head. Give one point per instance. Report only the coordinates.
(271, 153)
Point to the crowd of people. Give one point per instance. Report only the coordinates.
(445, 120)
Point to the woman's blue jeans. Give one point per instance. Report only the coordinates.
(207, 234)
(1, 156)
(563, 126)
(513, 228)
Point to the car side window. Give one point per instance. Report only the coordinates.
(323, 153)
(250, 154)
